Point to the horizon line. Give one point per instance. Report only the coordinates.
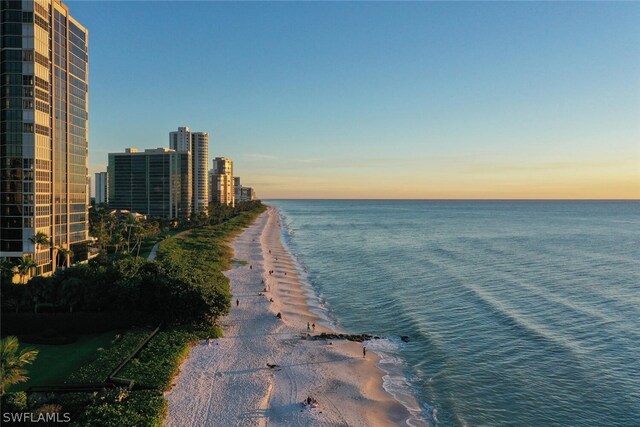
(461, 200)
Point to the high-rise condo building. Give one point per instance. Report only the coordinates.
(221, 181)
(198, 144)
(155, 182)
(43, 155)
(200, 155)
(237, 188)
(180, 140)
(102, 188)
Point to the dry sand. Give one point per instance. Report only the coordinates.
(228, 383)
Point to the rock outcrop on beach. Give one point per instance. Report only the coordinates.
(348, 337)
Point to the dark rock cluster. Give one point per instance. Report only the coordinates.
(348, 337)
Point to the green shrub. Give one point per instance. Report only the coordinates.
(97, 370)
(138, 409)
(14, 402)
(160, 359)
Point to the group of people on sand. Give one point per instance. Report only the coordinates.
(310, 402)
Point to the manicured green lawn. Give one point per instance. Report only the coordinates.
(56, 362)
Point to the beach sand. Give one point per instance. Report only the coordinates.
(228, 382)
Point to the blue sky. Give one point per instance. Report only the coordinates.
(382, 100)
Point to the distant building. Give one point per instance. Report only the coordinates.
(43, 139)
(221, 182)
(197, 143)
(237, 188)
(155, 182)
(247, 194)
(102, 188)
(241, 193)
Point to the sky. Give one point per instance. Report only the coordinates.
(408, 100)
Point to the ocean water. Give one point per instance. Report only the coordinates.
(519, 313)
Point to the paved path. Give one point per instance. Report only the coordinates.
(153, 254)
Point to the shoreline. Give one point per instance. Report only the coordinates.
(229, 382)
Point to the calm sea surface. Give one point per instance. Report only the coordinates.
(519, 313)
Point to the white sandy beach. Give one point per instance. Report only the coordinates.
(229, 383)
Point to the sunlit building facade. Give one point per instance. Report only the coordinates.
(221, 184)
(44, 144)
(197, 143)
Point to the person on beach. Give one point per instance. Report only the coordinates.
(308, 326)
(279, 315)
(237, 302)
(364, 352)
(313, 326)
(250, 267)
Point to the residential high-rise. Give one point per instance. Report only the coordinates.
(200, 156)
(198, 144)
(155, 182)
(102, 188)
(221, 181)
(43, 155)
(180, 140)
(237, 188)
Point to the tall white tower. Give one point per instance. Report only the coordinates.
(197, 143)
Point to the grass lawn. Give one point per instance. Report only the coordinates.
(56, 362)
(147, 244)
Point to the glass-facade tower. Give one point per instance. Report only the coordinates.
(155, 182)
(44, 144)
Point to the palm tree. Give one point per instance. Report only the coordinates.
(6, 270)
(117, 240)
(40, 239)
(139, 233)
(12, 362)
(66, 254)
(26, 265)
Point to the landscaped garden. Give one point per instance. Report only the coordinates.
(55, 363)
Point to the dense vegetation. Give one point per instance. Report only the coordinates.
(184, 285)
(184, 289)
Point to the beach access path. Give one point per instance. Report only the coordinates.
(228, 382)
